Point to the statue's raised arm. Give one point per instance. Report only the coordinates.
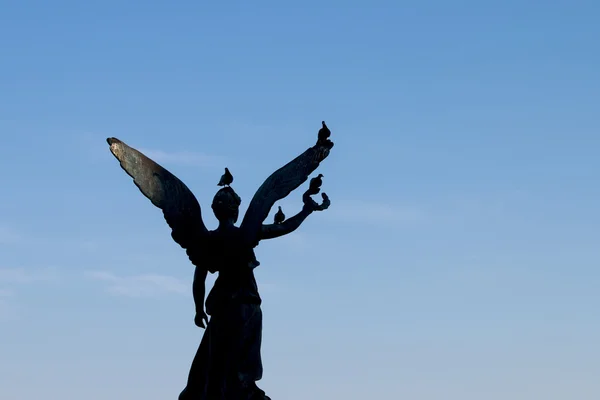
(282, 182)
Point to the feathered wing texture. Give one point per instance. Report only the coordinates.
(178, 204)
(277, 186)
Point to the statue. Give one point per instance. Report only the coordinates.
(228, 362)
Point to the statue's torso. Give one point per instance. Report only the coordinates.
(234, 263)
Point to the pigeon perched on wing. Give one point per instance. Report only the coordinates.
(279, 216)
(324, 133)
(226, 178)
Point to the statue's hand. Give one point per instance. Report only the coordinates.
(312, 205)
(201, 319)
(326, 202)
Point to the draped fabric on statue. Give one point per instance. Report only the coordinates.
(228, 361)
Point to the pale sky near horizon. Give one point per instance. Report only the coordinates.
(459, 259)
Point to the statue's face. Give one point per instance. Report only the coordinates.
(226, 205)
(235, 214)
(224, 213)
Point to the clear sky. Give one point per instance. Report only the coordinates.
(459, 259)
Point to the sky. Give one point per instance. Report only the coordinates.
(459, 259)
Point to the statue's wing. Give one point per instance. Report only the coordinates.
(178, 204)
(277, 186)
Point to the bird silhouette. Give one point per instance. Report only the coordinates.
(279, 216)
(324, 133)
(316, 182)
(226, 178)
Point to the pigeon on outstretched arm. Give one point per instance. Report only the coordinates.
(279, 216)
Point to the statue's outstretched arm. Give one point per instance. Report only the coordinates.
(272, 231)
(281, 183)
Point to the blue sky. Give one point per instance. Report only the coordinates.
(459, 258)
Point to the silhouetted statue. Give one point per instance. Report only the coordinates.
(228, 361)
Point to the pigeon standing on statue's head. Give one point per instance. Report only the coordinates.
(226, 178)
(279, 216)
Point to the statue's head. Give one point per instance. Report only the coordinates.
(226, 205)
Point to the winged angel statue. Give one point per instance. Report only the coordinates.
(228, 363)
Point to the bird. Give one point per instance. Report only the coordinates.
(226, 178)
(317, 182)
(279, 216)
(324, 133)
